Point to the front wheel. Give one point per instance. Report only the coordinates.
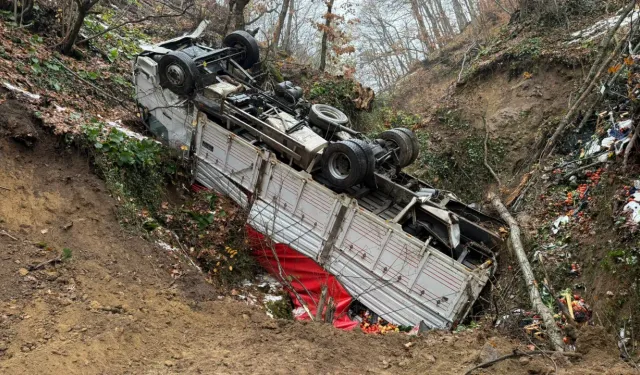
(344, 164)
(178, 73)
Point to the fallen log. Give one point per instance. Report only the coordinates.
(517, 354)
(555, 336)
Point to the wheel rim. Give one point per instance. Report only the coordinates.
(339, 166)
(175, 75)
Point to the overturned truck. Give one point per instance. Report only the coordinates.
(407, 251)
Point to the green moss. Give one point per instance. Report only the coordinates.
(274, 71)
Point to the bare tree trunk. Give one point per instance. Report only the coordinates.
(434, 23)
(238, 13)
(321, 302)
(281, 17)
(532, 286)
(231, 4)
(424, 36)
(287, 35)
(70, 39)
(325, 36)
(386, 37)
(471, 9)
(461, 18)
(443, 18)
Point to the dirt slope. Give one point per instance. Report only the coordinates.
(115, 308)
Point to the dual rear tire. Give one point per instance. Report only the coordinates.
(347, 163)
(351, 162)
(404, 144)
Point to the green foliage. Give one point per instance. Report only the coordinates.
(274, 71)
(528, 48)
(113, 54)
(471, 326)
(89, 75)
(66, 254)
(281, 309)
(626, 257)
(120, 43)
(525, 56)
(452, 118)
(135, 170)
(335, 91)
(36, 39)
(459, 168)
(384, 117)
(213, 228)
(150, 225)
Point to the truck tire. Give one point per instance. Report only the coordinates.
(371, 160)
(397, 139)
(244, 41)
(178, 73)
(344, 164)
(414, 141)
(324, 116)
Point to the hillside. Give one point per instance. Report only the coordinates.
(514, 86)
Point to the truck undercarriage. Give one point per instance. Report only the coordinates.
(312, 182)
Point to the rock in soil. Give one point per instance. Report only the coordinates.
(17, 122)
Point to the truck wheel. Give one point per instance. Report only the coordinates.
(344, 164)
(414, 141)
(242, 40)
(402, 143)
(324, 116)
(371, 160)
(178, 72)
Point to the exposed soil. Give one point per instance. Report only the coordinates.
(115, 308)
(517, 110)
(14, 124)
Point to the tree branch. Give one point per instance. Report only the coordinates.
(486, 151)
(182, 13)
(516, 353)
(260, 16)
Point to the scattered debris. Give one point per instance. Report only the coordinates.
(633, 208)
(46, 263)
(561, 221)
(3, 233)
(600, 28)
(29, 96)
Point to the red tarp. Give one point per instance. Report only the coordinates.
(304, 275)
